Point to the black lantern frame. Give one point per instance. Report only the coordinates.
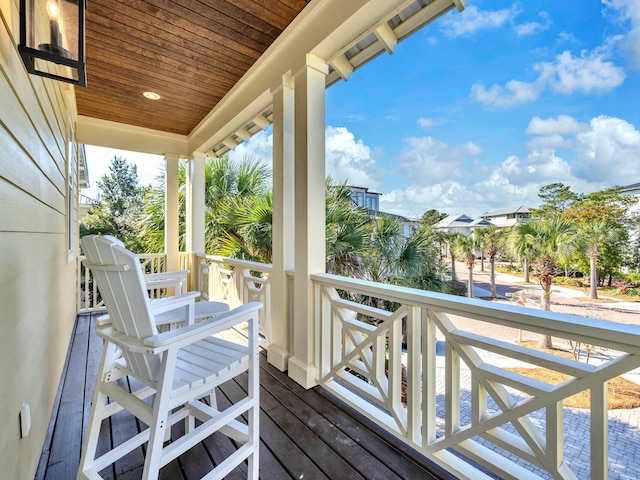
(52, 39)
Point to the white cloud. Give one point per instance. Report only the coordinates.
(448, 196)
(348, 159)
(588, 73)
(428, 160)
(549, 141)
(513, 93)
(428, 123)
(600, 153)
(260, 145)
(471, 20)
(585, 74)
(561, 125)
(608, 152)
(629, 10)
(530, 28)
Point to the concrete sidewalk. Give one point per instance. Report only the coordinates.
(560, 290)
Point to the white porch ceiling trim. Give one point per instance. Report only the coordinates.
(329, 29)
(104, 133)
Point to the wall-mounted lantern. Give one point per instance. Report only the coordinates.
(52, 39)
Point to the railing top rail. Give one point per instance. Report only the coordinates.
(236, 262)
(617, 336)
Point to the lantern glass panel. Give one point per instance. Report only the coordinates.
(52, 39)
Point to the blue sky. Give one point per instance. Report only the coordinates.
(478, 110)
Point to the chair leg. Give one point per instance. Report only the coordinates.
(99, 402)
(93, 434)
(153, 457)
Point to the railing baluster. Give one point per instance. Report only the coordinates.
(452, 391)
(599, 431)
(414, 373)
(429, 378)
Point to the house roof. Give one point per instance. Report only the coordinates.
(214, 63)
(505, 211)
(460, 220)
(480, 222)
(633, 186)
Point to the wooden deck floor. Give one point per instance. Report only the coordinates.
(305, 434)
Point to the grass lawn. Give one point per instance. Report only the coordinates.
(622, 392)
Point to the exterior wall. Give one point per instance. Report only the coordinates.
(37, 267)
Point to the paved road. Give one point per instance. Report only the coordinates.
(563, 299)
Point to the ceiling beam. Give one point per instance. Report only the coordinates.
(104, 133)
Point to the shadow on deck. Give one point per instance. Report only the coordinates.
(305, 434)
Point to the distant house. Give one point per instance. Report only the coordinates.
(507, 217)
(370, 202)
(364, 198)
(460, 223)
(633, 189)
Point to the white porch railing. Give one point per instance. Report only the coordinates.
(449, 393)
(425, 367)
(236, 282)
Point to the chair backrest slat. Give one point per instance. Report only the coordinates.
(125, 296)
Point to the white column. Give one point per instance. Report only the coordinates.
(310, 213)
(195, 208)
(171, 208)
(283, 221)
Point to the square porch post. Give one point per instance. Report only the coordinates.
(310, 233)
(195, 210)
(283, 220)
(171, 208)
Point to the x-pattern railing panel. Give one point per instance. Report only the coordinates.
(237, 282)
(443, 389)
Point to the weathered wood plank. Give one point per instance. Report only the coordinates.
(303, 433)
(65, 447)
(373, 445)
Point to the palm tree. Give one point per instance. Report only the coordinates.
(347, 229)
(593, 237)
(553, 240)
(463, 248)
(226, 182)
(519, 244)
(480, 241)
(449, 239)
(492, 238)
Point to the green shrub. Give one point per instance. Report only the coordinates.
(633, 279)
(455, 287)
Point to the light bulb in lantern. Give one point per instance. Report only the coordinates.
(54, 23)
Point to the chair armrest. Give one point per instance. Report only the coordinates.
(161, 305)
(125, 342)
(151, 277)
(162, 280)
(192, 333)
(169, 303)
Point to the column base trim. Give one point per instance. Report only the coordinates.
(278, 357)
(303, 373)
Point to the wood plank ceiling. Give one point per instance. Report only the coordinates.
(190, 52)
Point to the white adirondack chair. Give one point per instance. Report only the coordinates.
(170, 312)
(176, 279)
(178, 368)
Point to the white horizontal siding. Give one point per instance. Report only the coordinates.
(37, 280)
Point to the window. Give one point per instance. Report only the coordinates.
(71, 192)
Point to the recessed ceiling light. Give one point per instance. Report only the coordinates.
(151, 95)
